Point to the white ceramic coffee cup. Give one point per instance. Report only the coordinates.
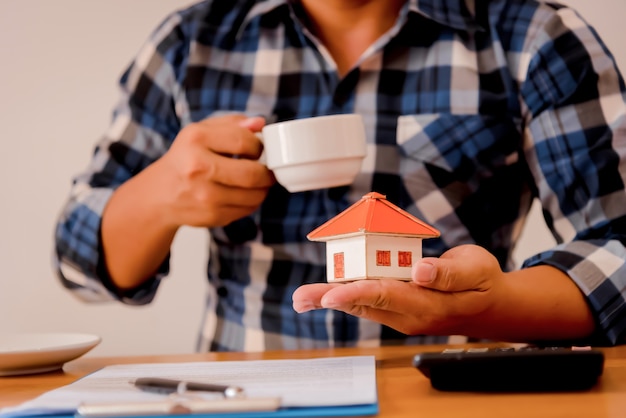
(315, 153)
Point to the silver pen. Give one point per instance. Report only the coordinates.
(168, 386)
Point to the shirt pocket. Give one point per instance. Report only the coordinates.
(469, 147)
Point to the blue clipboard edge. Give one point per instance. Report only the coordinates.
(296, 412)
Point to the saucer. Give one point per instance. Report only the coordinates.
(29, 353)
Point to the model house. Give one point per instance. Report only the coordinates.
(372, 239)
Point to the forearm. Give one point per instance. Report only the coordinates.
(537, 303)
(135, 237)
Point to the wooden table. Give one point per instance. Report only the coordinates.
(402, 390)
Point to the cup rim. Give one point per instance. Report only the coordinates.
(318, 160)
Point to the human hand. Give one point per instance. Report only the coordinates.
(447, 295)
(210, 176)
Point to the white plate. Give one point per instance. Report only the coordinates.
(41, 352)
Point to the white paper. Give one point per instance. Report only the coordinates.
(333, 381)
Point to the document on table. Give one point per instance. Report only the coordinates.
(316, 384)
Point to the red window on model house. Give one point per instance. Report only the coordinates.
(405, 258)
(339, 269)
(383, 258)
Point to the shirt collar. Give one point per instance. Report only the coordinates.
(458, 14)
(265, 6)
(258, 9)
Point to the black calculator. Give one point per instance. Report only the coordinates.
(512, 369)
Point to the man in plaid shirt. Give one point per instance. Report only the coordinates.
(473, 110)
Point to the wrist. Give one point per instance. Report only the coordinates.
(538, 303)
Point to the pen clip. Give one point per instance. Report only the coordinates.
(181, 387)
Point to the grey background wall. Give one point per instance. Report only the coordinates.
(59, 63)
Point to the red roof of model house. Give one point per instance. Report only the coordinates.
(373, 214)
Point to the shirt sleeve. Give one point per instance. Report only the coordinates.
(576, 148)
(143, 126)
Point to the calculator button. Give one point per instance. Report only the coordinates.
(453, 350)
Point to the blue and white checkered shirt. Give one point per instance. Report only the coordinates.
(473, 110)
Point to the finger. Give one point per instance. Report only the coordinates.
(384, 294)
(230, 196)
(308, 296)
(401, 305)
(451, 274)
(219, 206)
(254, 124)
(226, 136)
(398, 321)
(240, 173)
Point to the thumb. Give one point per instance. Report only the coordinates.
(441, 274)
(254, 123)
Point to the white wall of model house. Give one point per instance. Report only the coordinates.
(359, 256)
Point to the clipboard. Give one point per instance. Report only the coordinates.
(307, 395)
